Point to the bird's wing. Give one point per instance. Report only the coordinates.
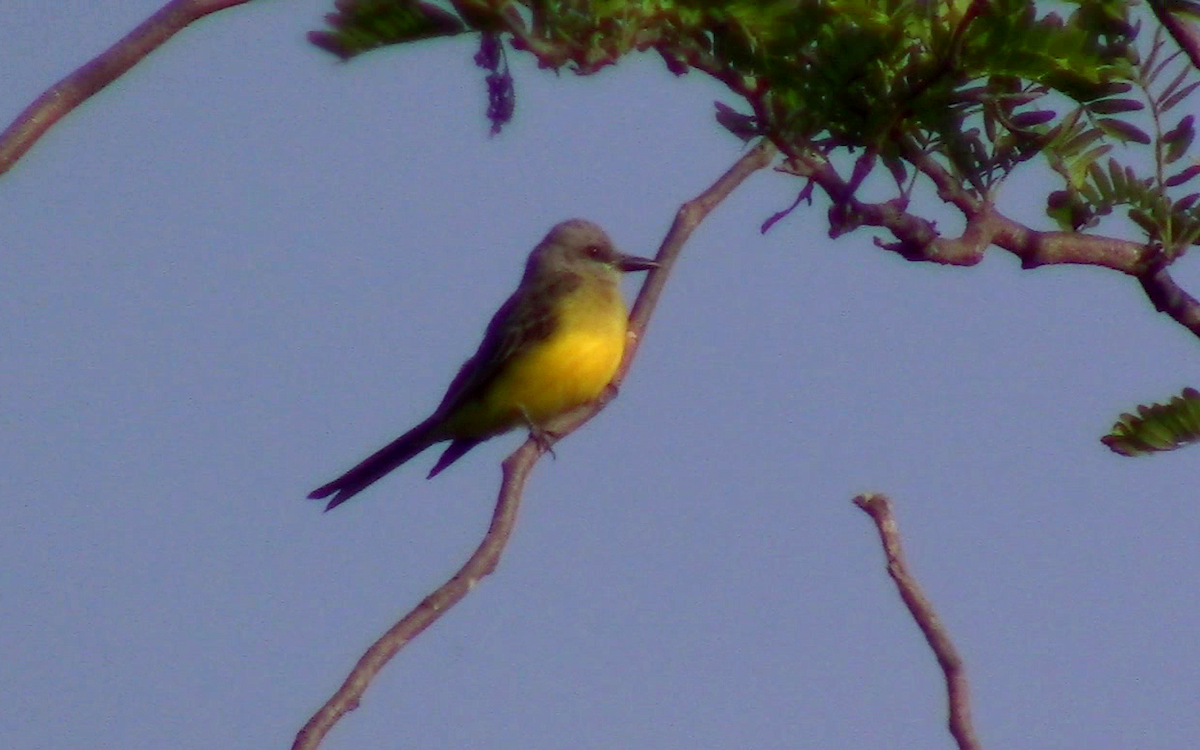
(524, 318)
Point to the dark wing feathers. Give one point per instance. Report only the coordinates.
(525, 317)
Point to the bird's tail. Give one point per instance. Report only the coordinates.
(375, 466)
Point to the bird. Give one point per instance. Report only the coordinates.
(551, 348)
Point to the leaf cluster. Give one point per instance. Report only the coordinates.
(358, 26)
(1093, 188)
(979, 85)
(1158, 427)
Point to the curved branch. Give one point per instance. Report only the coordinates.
(1168, 297)
(481, 563)
(957, 690)
(918, 239)
(98, 72)
(518, 465)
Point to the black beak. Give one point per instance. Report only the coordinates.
(633, 263)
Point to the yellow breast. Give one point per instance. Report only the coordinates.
(571, 366)
(561, 372)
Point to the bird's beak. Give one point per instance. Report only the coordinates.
(628, 263)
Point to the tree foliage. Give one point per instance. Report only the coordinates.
(942, 98)
(967, 91)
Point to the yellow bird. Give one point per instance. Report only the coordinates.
(552, 346)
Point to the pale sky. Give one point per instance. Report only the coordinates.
(245, 266)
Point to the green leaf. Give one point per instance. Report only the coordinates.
(1178, 96)
(1123, 131)
(1179, 78)
(1081, 165)
(1026, 120)
(1187, 201)
(1189, 234)
(1179, 138)
(1101, 181)
(1120, 185)
(1182, 177)
(1145, 221)
(741, 125)
(1081, 141)
(1115, 106)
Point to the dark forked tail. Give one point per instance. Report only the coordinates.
(378, 464)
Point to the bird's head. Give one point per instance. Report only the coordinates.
(580, 246)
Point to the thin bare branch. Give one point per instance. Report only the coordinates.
(97, 73)
(957, 690)
(481, 563)
(687, 219)
(517, 467)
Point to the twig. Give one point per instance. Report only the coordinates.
(517, 467)
(98, 72)
(957, 693)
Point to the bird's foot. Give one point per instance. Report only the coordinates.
(540, 435)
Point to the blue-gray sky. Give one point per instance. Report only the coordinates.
(245, 266)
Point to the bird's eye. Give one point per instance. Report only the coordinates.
(594, 251)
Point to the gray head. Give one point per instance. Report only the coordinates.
(579, 246)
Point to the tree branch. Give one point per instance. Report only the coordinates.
(1168, 297)
(957, 690)
(918, 239)
(518, 465)
(97, 73)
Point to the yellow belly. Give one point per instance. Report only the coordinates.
(568, 369)
(560, 374)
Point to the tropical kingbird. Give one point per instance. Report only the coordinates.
(553, 346)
